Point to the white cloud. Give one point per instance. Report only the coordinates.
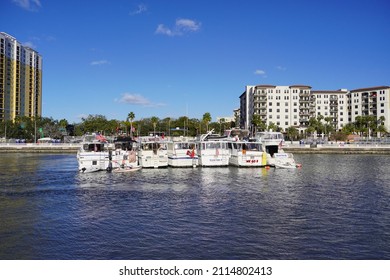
(99, 62)
(260, 72)
(141, 8)
(187, 24)
(161, 29)
(281, 68)
(182, 26)
(137, 99)
(29, 5)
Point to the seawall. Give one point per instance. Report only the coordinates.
(335, 149)
(39, 148)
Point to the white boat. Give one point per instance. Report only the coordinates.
(93, 155)
(243, 153)
(273, 145)
(182, 154)
(124, 157)
(152, 152)
(212, 150)
(126, 169)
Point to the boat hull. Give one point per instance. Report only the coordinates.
(182, 161)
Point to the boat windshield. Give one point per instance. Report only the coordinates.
(213, 145)
(247, 146)
(93, 147)
(184, 146)
(270, 135)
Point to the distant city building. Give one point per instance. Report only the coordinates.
(294, 105)
(20, 79)
(225, 119)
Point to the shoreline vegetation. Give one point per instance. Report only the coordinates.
(291, 148)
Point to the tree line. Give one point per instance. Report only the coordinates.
(364, 126)
(32, 129)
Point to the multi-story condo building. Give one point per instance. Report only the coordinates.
(332, 105)
(284, 106)
(370, 101)
(20, 80)
(294, 105)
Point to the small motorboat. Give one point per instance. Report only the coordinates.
(126, 169)
(288, 165)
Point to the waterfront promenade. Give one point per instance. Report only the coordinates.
(295, 148)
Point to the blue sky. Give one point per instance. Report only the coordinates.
(174, 58)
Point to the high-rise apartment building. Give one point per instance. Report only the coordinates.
(20, 79)
(294, 105)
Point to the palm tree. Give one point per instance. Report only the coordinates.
(292, 133)
(258, 123)
(221, 121)
(154, 121)
(206, 119)
(131, 117)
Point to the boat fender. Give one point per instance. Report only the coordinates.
(109, 168)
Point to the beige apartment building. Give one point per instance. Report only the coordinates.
(294, 105)
(20, 80)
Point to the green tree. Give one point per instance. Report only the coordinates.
(154, 121)
(206, 119)
(292, 133)
(381, 129)
(258, 123)
(272, 126)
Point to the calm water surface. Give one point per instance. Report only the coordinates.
(334, 207)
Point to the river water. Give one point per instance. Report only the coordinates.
(334, 207)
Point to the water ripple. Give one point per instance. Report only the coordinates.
(335, 207)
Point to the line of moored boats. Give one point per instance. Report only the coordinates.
(235, 148)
